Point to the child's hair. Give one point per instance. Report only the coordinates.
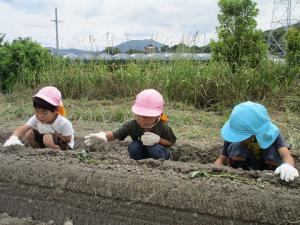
(42, 104)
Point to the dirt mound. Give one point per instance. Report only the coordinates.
(7, 220)
(106, 187)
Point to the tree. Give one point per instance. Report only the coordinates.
(165, 48)
(22, 59)
(293, 46)
(240, 43)
(181, 47)
(197, 49)
(134, 51)
(202, 49)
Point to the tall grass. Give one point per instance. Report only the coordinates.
(201, 84)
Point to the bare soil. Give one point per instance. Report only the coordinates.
(5, 219)
(110, 188)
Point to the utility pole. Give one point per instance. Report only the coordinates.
(56, 28)
(281, 18)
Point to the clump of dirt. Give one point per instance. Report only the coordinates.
(201, 153)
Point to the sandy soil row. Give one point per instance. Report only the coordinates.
(109, 188)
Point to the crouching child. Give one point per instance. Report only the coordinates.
(151, 135)
(48, 127)
(252, 141)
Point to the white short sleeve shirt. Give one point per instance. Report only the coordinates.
(61, 126)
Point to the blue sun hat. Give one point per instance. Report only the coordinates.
(248, 119)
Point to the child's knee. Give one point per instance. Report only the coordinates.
(135, 150)
(49, 142)
(158, 152)
(48, 139)
(29, 136)
(135, 146)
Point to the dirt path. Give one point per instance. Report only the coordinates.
(109, 188)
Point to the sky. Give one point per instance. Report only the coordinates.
(94, 24)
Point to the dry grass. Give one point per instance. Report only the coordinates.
(189, 123)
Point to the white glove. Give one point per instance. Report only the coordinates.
(13, 140)
(95, 137)
(287, 172)
(150, 138)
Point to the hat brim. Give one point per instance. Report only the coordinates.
(47, 99)
(145, 111)
(267, 136)
(231, 135)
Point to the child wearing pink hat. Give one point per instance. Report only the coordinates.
(48, 127)
(150, 133)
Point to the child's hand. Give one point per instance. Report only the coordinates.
(287, 172)
(13, 140)
(95, 137)
(150, 138)
(56, 147)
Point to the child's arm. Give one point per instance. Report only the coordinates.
(101, 137)
(286, 156)
(19, 132)
(165, 142)
(221, 161)
(286, 170)
(223, 157)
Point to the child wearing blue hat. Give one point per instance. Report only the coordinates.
(252, 141)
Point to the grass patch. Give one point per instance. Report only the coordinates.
(188, 122)
(209, 85)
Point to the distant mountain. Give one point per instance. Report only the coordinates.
(138, 45)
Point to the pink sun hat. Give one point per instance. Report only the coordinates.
(50, 94)
(148, 102)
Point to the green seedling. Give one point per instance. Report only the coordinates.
(84, 157)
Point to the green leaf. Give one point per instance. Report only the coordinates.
(198, 173)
